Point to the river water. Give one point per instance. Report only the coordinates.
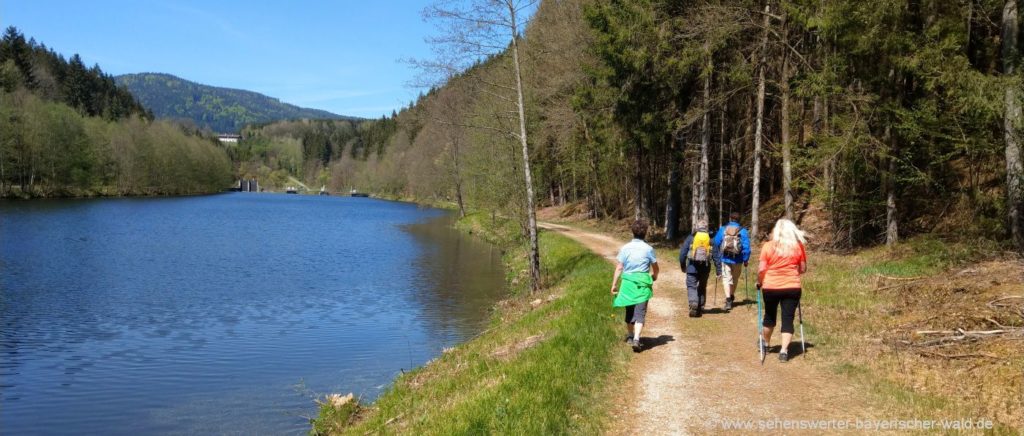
(223, 314)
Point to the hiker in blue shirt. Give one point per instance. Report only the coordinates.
(732, 251)
(636, 270)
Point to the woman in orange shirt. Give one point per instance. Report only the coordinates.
(782, 261)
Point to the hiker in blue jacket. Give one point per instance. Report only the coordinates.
(695, 257)
(732, 251)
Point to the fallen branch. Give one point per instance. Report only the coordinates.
(958, 356)
(962, 332)
(993, 304)
(997, 324)
(394, 419)
(899, 278)
(959, 335)
(934, 332)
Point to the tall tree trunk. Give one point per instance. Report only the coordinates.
(891, 226)
(1011, 126)
(672, 207)
(759, 127)
(787, 173)
(694, 192)
(721, 163)
(531, 213)
(458, 176)
(705, 144)
(638, 185)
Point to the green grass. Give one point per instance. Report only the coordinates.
(552, 387)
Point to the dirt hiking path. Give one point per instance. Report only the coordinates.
(695, 375)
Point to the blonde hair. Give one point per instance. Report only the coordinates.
(787, 236)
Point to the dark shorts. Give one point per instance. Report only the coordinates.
(789, 299)
(636, 313)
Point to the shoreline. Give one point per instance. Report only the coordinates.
(517, 365)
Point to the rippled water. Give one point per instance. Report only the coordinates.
(223, 314)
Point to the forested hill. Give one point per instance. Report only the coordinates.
(223, 110)
(41, 70)
(69, 130)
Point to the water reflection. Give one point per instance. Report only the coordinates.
(203, 314)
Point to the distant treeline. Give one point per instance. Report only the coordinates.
(68, 130)
(320, 152)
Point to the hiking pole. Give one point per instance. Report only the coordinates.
(746, 286)
(760, 327)
(800, 315)
(716, 288)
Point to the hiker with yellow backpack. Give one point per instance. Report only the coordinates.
(696, 257)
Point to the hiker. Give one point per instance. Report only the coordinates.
(695, 258)
(782, 261)
(638, 269)
(732, 250)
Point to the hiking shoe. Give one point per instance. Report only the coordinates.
(728, 304)
(628, 337)
(783, 357)
(637, 346)
(694, 312)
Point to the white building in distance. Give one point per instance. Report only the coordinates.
(227, 138)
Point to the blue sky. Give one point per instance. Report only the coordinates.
(342, 56)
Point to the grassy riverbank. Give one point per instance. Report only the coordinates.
(538, 369)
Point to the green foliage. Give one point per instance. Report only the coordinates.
(222, 110)
(68, 130)
(307, 149)
(50, 149)
(41, 70)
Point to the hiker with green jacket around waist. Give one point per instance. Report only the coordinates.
(732, 250)
(637, 267)
(695, 258)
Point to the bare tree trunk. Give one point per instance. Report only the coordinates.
(721, 163)
(1011, 127)
(816, 117)
(672, 207)
(705, 144)
(638, 186)
(458, 177)
(787, 173)
(891, 227)
(759, 128)
(531, 213)
(694, 192)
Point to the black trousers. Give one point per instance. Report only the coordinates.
(789, 299)
(697, 286)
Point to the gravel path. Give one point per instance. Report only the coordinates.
(697, 373)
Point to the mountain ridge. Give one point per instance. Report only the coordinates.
(221, 109)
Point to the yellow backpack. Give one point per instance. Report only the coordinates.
(700, 249)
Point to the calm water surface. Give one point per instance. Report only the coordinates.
(225, 314)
